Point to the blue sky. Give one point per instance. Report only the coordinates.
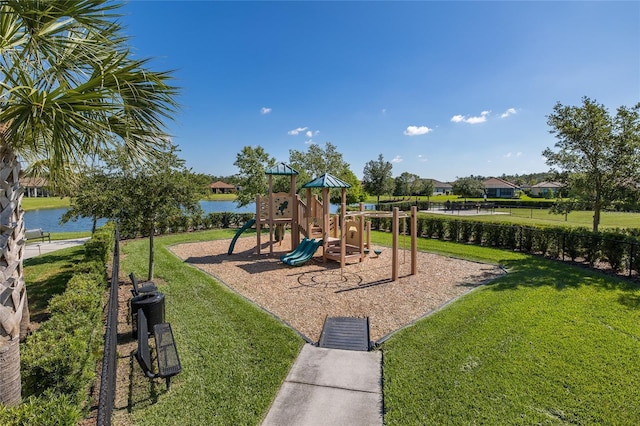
(440, 89)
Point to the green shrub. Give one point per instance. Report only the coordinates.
(49, 409)
(591, 248)
(453, 229)
(60, 358)
(466, 231)
(572, 242)
(477, 231)
(612, 250)
(62, 355)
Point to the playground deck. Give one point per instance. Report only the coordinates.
(304, 296)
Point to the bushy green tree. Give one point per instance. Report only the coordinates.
(317, 161)
(597, 154)
(251, 178)
(377, 178)
(468, 187)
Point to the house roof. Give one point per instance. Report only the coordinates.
(326, 181)
(547, 185)
(438, 184)
(33, 182)
(281, 169)
(499, 183)
(221, 185)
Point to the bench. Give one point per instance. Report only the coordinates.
(32, 234)
(148, 287)
(166, 352)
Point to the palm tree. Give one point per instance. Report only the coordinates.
(69, 89)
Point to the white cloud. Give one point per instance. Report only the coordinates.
(471, 120)
(383, 111)
(309, 142)
(265, 110)
(417, 130)
(297, 131)
(309, 133)
(510, 154)
(507, 113)
(422, 158)
(397, 159)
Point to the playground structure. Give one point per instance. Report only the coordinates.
(344, 237)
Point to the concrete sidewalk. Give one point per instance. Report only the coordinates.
(36, 249)
(330, 387)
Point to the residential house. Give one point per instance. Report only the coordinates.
(499, 188)
(441, 188)
(34, 186)
(543, 188)
(220, 187)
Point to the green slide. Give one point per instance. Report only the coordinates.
(303, 253)
(248, 224)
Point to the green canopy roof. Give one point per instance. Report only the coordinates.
(281, 169)
(326, 181)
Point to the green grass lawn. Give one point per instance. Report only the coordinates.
(548, 343)
(525, 216)
(234, 355)
(47, 276)
(35, 203)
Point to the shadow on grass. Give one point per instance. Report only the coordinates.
(535, 271)
(52, 272)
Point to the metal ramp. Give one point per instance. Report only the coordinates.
(345, 333)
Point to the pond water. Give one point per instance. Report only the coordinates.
(49, 219)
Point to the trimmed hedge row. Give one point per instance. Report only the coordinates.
(184, 223)
(425, 205)
(618, 250)
(59, 359)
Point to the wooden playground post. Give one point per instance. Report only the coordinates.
(258, 222)
(414, 240)
(295, 230)
(270, 214)
(325, 222)
(394, 252)
(343, 234)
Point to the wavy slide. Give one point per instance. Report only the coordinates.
(302, 253)
(248, 224)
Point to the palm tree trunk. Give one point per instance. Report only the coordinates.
(14, 312)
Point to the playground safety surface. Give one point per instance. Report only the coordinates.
(303, 296)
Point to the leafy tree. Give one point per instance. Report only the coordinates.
(355, 194)
(376, 177)
(565, 207)
(151, 195)
(139, 198)
(69, 88)
(97, 195)
(468, 187)
(318, 161)
(251, 178)
(426, 187)
(407, 184)
(597, 155)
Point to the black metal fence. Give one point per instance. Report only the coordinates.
(109, 360)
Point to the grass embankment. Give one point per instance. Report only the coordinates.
(528, 216)
(548, 343)
(47, 276)
(234, 355)
(35, 203)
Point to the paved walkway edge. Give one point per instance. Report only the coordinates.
(330, 387)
